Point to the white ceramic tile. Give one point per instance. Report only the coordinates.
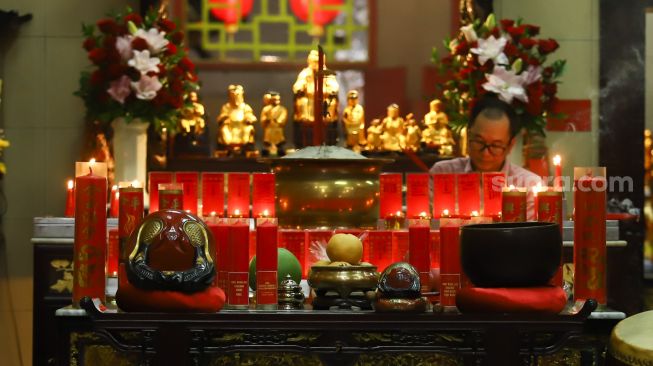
(25, 180)
(560, 19)
(36, 26)
(24, 89)
(65, 17)
(62, 80)
(64, 145)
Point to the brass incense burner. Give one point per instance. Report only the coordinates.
(327, 187)
(344, 287)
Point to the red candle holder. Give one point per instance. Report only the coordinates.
(70, 199)
(113, 201)
(548, 205)
(444, 194)
(263, 195)
(220, 230)
(266, 263)
(171, 196)
(390, 195)
(493, 184)
(468, 188)
(400, 245)
(212, 194)
(417, 195)
(156, 178)
(450, 268)
(395, 221)
(130, 214)
(189, 181)
(380, 248)
(238, 257)
(419, 254)
(513, 204)
(113, 253)
(238, 194)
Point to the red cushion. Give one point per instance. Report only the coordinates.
(543, 300)
(134, 299)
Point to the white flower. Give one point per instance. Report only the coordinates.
(124, 47)
(469, 33)
(156, 40)
(146, 87)
(119, 89)
(507, 84)
(532, 74)
(491, 49)
(143, 62)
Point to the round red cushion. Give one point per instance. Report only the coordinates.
(544, 300)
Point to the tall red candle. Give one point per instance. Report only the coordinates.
(468, 188)
(557, 177)
(171, 196)
(435, 248)
(380, 248)
(90, 237)
(589, 234)
(513, 205)
(400, 246)
(266, 264)
(190, 181)
(70, 199)
(418, 251)
(417, 195)
(493, 184)
(548, 205)
(212, 194)
(113, 201)
(444, 194)
(390, 196)
(295, 242)
(238, 256)
(156, 178)
(238, 194)
(263, 193)
(113, 253)
(450, 268)
(220, 232)
(130, 215)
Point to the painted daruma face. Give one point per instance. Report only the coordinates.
(171, 251)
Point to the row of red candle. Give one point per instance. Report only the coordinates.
(213, 193)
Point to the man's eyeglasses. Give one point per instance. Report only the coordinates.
(494, 149)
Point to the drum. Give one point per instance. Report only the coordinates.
(631, 341)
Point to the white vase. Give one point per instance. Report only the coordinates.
(130, 150)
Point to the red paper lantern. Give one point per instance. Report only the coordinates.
(228, 13)
(313, 11)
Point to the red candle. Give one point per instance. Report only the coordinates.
(444, 193)
(513, 205)
(190, 181)
(220, 232)
(493, 184)
(212, 194)
(263, 193)
(450, 268)
(156, 178)
(238, 256)
(589, 234)
(238, 194)
(171, 196)
(113, 253)
(130, 215)
(548, 204)
(70, 199)
(418, 251)
(400, 246)
(113, 201)
(295, 242)
(390, 196)
(90, 237)
(468, 188)
(380, 248)
(266, 264)
(417, 195)
(557, 178)
(435, 248)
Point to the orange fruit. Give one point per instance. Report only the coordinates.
(345, 248)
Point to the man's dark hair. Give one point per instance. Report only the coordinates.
(494, 108)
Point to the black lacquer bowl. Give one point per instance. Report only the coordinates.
(517, 254)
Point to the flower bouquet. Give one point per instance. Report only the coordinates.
(140, 71)
(507, 60)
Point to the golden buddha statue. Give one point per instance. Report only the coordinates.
(437, 134)
(273, 120)
(236, 121)
(330, 106)
(192, 119)
(374, 132)
(413, 134)
(393, 129)
(353, 119)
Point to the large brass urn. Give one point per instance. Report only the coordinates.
(327, 187)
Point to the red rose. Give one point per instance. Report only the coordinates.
(177, 37)
(505, 23)
(547, 72)
(464, 73)
(176, 102)
(97, 78)
(516, 32)
(510, 50)
(527, 43)
(160, 98)
(134, 18)
(89, 43)
(550, 89)
(535, 92)
(109, 42)
(167, 25)
(177, 71)
(186, 64)
(171, 49)
(546, 46)
(107, 26)
(139, 44)
(162, 69)
(534, 61)
(97, 55)
(177, 86)
(495, 32)
(462, 48)
(532, 30)
(115, 70)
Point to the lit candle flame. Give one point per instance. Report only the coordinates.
(512, 187)
(556, 160)
(265, 213)
(475, 213)
(213, 214)
(445, 212)
(398, 213)
(71, 184)
(114, 188)
(135, 183)
(236, 212)
(537, 188)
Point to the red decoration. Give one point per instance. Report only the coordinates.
(493, 184)
(417, 195)
(220, 232)
(435, 248)
(468, 193)
(589, 234)
(513, 205)
(238, 257)
(444, 194)
(113, 253)
(113, 201)
(450, 268)
(156, 178)
(531, 300)
(263, 195)
(266, 263)
(400, 246)
(70, 199)
(315, 12)
(190, 182)
(380, 249)
(390, 196)
(130, 215)
(295, 242)
(90, 237)
(171, 196)
(230, 12)
(419, 253)
(213, 194)
(238, 195)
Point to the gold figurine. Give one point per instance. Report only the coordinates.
(192, 119)
(437, 134)
(330, 106)
(353, 119)
(393, 129)
(273, 120)
(236, 122)
(374, 132)
(413, 133)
